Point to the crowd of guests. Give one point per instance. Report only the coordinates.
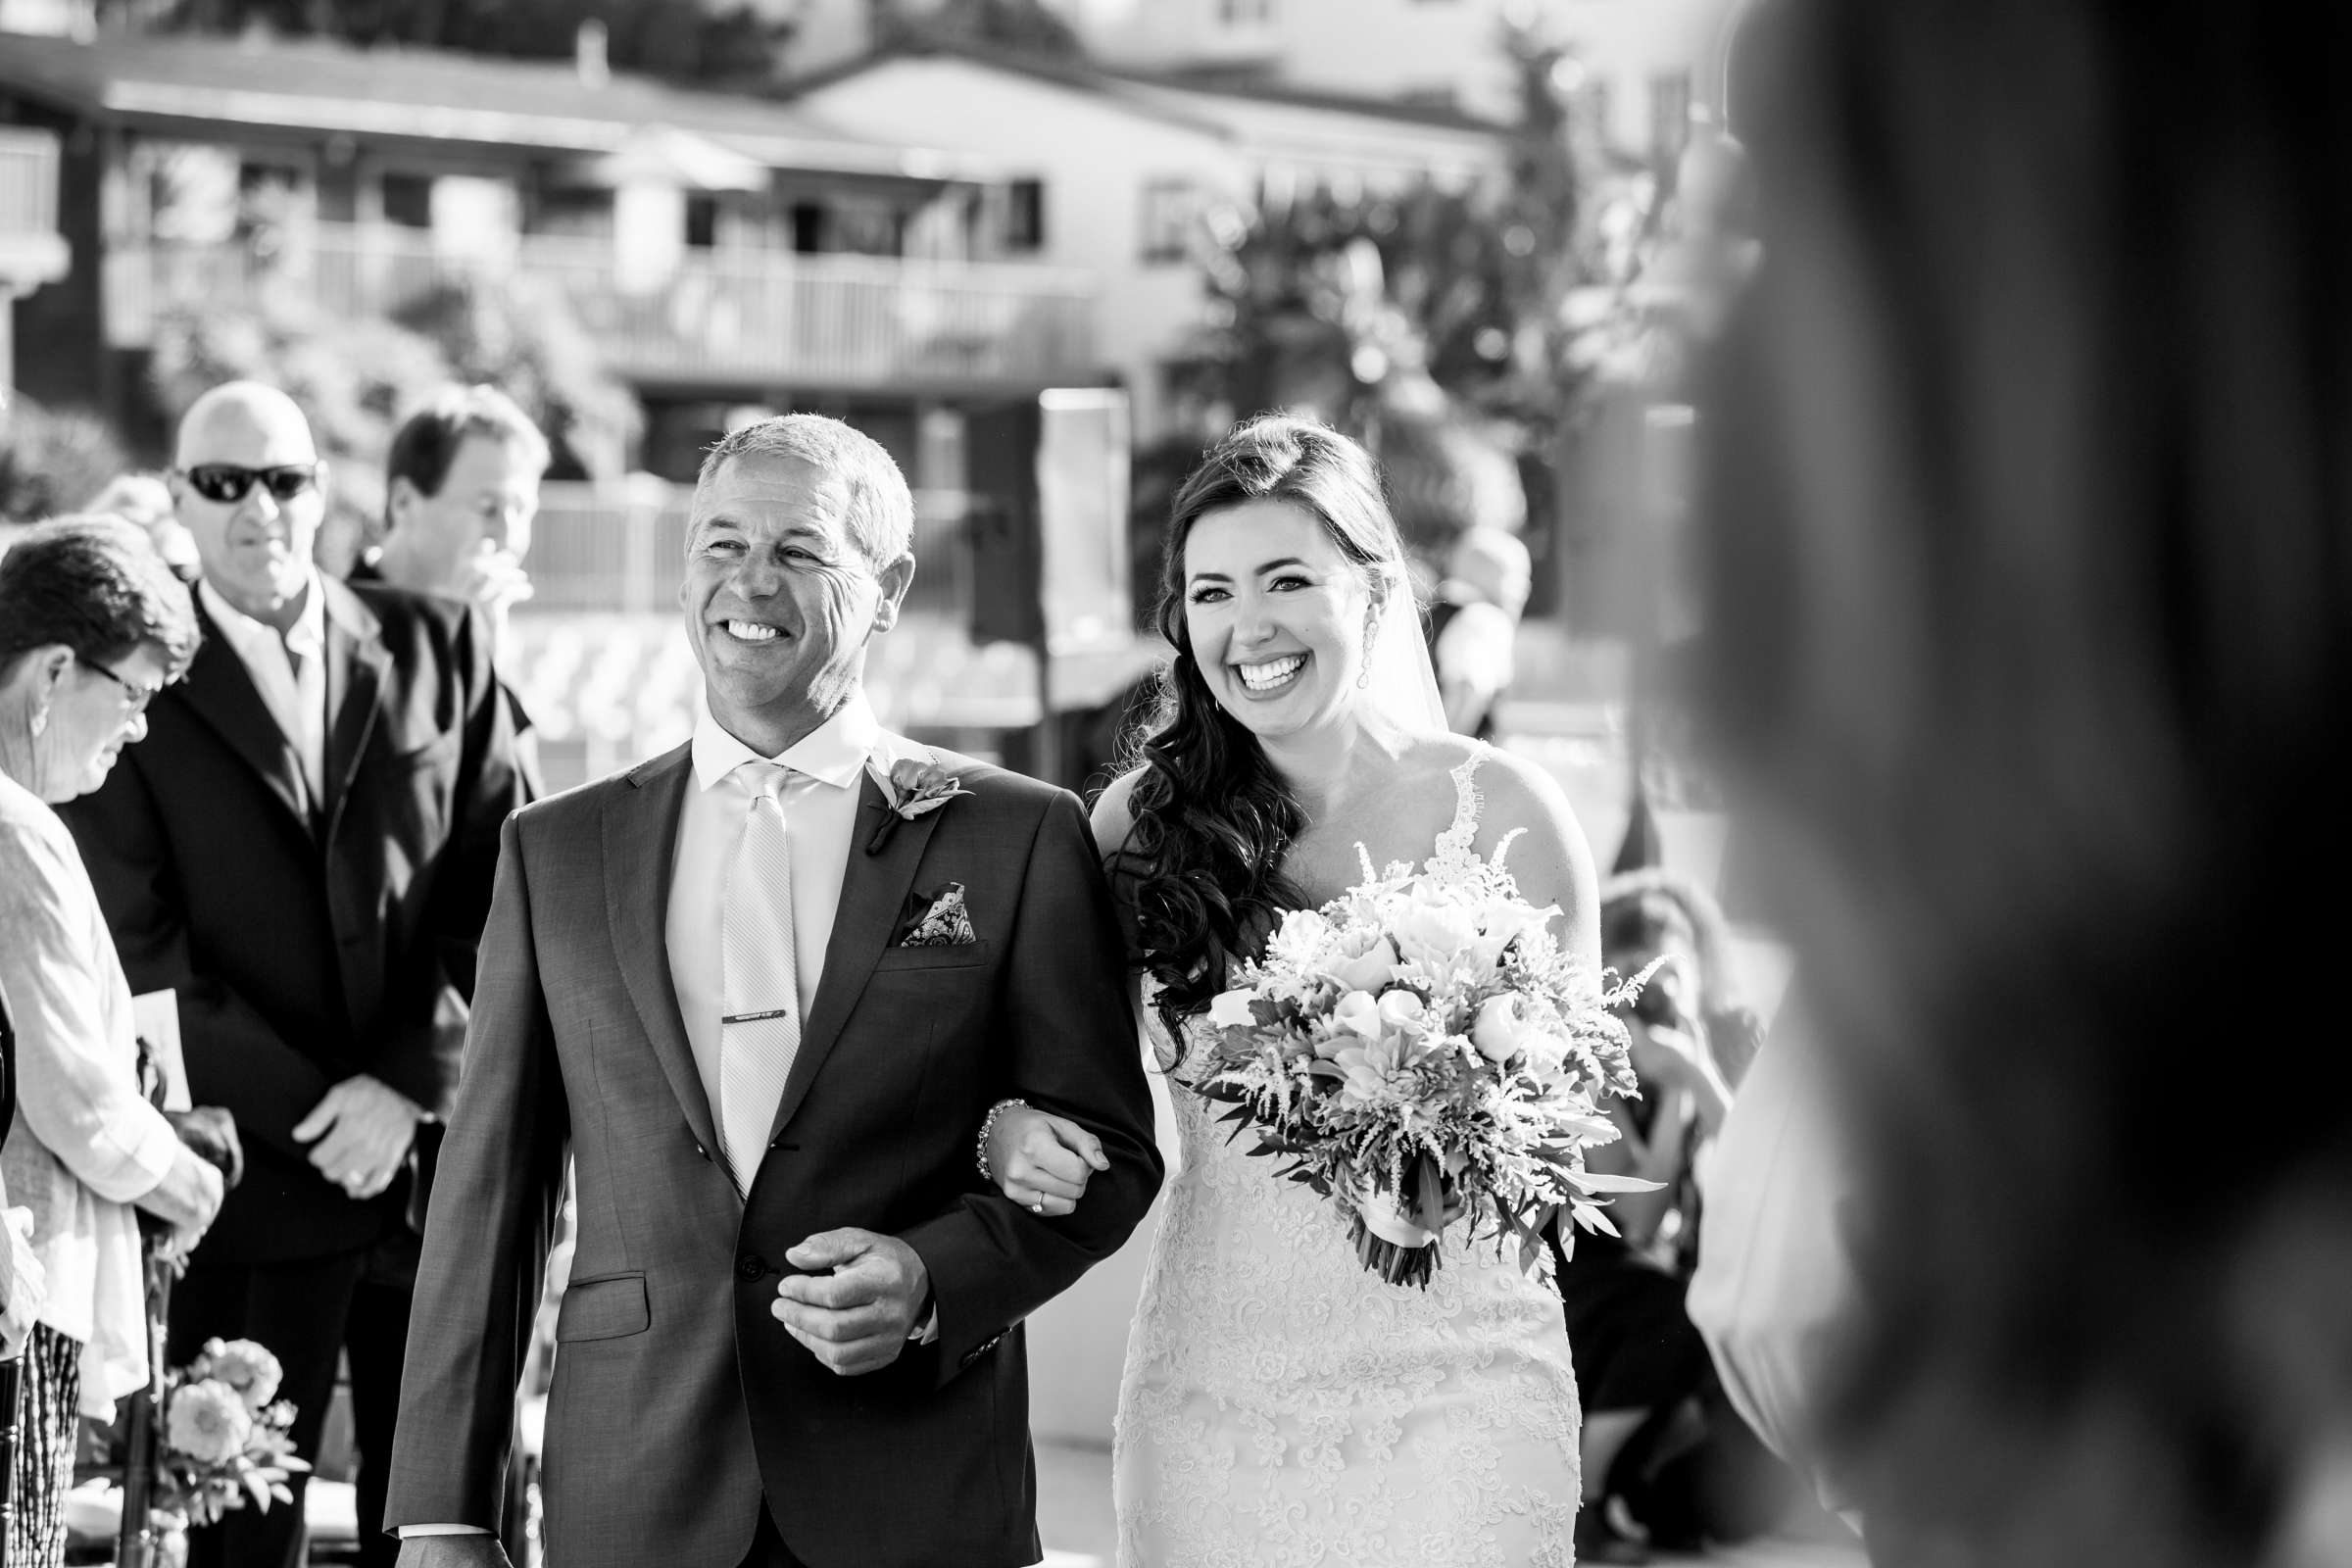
(272, 797)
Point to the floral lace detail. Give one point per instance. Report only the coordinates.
(1282, 1407)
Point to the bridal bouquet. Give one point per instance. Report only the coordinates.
(227, 1435)
(1421, 1047)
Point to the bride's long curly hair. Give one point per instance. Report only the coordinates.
(1201, 874)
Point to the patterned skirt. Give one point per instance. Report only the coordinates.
(46, 1421)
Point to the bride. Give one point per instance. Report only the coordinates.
(1281, 1404)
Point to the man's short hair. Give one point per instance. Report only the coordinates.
(428, 440)
(879, 508)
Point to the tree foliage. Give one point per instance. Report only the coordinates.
(52, 461)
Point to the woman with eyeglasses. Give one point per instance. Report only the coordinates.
(92, 624)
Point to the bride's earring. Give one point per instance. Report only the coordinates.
(1364, 676)
(41, 718)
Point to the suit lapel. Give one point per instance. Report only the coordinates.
(356, 666)
(641, 837)
(872, 893)
(220, 691)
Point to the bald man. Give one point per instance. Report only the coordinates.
(1474, 625)
(302, 849)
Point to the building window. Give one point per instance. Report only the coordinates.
(1025, 216)
(1169, 207)
(409, 200)
(1245, 13)
(807, 228)
(702, 219)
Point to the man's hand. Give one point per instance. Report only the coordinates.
(452, 1551)
(856, 1318)
(363, 1128)
(495, 580)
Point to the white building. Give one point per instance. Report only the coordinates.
(1109, 170)
(1649, 60)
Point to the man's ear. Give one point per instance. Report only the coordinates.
(401, 497)
(894, 580)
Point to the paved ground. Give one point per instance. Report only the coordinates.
(1074, 1514)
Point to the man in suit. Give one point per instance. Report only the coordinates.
(302, 850)
(461, 494)
(766, 1015)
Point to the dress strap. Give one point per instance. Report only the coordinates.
(1453, 845)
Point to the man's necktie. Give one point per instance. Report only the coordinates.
(760, 1028)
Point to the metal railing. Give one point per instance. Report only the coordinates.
(28, 182)
(755, 317)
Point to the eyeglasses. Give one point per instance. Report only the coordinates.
(228, 483)
(135, 697)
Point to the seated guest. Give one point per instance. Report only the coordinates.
(92, 624)
(1666, 1460)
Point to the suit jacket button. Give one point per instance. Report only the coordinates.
(750, 1266)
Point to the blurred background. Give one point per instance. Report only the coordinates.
(1044, 251)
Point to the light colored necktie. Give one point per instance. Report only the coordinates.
(760, 1027)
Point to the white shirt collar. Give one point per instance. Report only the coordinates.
(306, 636)
(833, 752)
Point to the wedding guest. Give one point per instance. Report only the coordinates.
(302, 851)
(462, 492)
(1669, 1462)
(2029, 655)
(1473, 626)
(92, 626)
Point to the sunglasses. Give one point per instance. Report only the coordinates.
(228, 483)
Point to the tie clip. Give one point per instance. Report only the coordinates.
(755, 1017)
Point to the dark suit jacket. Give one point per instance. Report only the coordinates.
(678, 1399)
(305, 952)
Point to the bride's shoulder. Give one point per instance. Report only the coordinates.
(1549, 858)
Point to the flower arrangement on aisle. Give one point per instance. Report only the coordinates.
(1421, 1048)
(227, 1435)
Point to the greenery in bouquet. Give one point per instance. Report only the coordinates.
(225, 1434)
(1420, 1048)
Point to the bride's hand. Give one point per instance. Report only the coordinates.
(1042, 1161)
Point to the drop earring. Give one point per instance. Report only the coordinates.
(41, 718)
(1371, 640)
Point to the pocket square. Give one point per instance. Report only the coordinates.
(943, 922)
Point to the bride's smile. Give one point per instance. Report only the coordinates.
(1275, 613)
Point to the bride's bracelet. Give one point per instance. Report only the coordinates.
(988, 1126)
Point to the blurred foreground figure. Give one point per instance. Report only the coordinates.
(2032, 584)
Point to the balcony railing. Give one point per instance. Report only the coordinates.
(755, 318)
(30, 250)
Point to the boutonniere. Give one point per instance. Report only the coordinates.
(910, 789)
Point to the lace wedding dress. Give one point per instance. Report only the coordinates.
(1282, 1407)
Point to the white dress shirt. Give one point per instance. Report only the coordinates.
(299, 705)
(820, 798)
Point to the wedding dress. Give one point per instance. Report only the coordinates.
(1281, 1405)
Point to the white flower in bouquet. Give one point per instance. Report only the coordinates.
(209, 1422)
(246, 1367)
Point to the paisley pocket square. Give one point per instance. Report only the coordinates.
(945, 923)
